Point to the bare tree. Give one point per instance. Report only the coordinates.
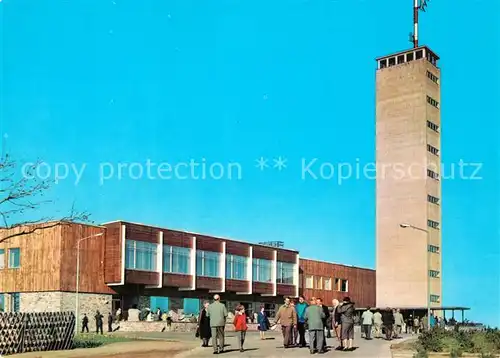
(22, 194)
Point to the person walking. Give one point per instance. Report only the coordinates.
(217, 313)
(336, 324)
(287, 317)
(263, 322)
(388, 321)
(98, 322)
(398, 323)
(300, 308)
(85, 323)
(367, 322)
(204, 329)
(295, 332)
(377, 323)
(416, 325)
(110, 322)
(240, 325)
(347, 321)
(314, 316)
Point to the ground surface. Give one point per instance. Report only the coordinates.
(185, 345)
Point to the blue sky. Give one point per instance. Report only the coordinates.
(231, 81)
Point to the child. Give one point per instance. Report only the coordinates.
(240, 324)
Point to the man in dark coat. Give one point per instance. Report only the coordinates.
(110, 322)
(98, 322)
(388, 321)
(325, 320)
(85, 323)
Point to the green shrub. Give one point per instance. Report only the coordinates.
(95, 340)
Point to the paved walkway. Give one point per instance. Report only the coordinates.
(273, 348)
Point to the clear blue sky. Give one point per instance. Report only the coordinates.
(90, 81)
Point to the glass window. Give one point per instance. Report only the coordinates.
(344, 286)
(236, 267)
(207, 263)
(435, 298)
(328, 284)
(2, 258)
(176, 259)
(309, 282)
(14, 302)
(2, 302)
(262, 270)
(14, 258)
(140, 255)
(286, 273)
(318, 283)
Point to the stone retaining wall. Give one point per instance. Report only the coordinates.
(126, 326)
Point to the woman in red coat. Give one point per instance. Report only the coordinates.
(240, 324)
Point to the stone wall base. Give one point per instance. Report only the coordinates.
(66, 302)
(126, 326)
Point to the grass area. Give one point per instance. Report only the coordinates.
(486, 343)
(96, 340)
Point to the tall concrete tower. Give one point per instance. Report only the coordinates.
(408, 179)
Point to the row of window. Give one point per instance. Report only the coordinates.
(432, 174)
(13, 258)
(433, 224)
(433, 77)
(325, 283)
(432, 199)
(15, 300)
(435, 298)
(432, 102)
(433, 273)
(433, 126)
(432, 149)
(434, 249)
(143, 256)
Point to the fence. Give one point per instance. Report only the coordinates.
(34, 332)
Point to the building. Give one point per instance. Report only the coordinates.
(124, 264)
(408, 259)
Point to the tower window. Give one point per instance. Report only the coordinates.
(392, 61)
(434, 249)
(432, 102)
(383, 63)
(419, 54)
(434, 298)
(409, 57)
(432, 174)
(432, 199)
(433, 273)
(433, 224)
(433, 126)
(401, 59)
(432, 149)
(433, 78)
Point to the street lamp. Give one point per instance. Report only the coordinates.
(78, 275)
(405, 226)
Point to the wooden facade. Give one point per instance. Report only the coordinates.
(360, 282)
(48, 260)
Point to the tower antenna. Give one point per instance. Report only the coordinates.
(417, 5)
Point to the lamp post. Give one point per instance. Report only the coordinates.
(404, 226)
(78, 275)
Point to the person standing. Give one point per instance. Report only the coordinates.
(409, 325)
(378, 322)
(398, 323)
(295, 333)
(98, 322)
(347, 320)
(263, 322)
(204, 329)
(300, 308)
(416, 325)
(240, 324)
(287, 317)
(336, 321)
(314, 316)
(326, 317)
(388, 320)
(367, 322)
(110, 322)
(217, 313)
(85, 323)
